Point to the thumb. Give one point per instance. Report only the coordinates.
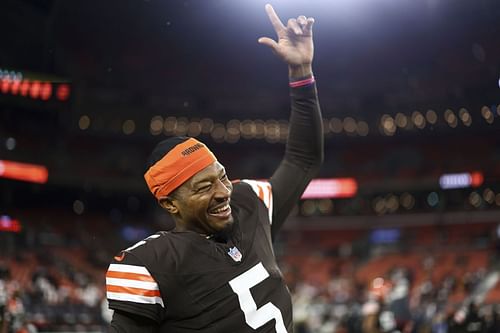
(269, 42)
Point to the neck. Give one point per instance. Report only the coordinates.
(183, 228)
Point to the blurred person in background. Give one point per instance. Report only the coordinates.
(3, 305)
(216, 270)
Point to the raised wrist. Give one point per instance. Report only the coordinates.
(299, 71)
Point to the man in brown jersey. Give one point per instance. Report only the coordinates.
(216, 270)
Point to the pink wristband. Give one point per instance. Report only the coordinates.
(301, 83)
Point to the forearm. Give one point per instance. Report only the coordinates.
(303, 153)
(304, 146)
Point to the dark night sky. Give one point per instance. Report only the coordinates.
(382, 55)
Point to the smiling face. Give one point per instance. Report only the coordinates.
(201, 204)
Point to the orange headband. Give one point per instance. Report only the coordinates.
(177, 166)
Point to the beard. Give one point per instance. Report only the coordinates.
(224, 235)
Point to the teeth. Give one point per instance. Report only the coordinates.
(220, 210)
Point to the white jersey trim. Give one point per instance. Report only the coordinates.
(132, 283)
(135, 298)
(128, 269)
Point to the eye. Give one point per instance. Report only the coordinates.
(224, 177)
(204, 188)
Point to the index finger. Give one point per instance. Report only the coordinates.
(275, 20)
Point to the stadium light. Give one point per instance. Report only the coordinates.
(34, 86)
(23, 171)
(7, 224)
(331, 188)
(461, 180)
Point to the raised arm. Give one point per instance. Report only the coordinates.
(304, 147)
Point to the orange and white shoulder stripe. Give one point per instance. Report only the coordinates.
(264, 191)
(133, 284)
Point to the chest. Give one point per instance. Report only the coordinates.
(211, 278)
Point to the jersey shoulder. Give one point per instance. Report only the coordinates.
(255, 190)
(132, 284)
(159, 247)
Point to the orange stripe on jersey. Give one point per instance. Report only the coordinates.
(129, 276)
(261, 193)
(132, 291)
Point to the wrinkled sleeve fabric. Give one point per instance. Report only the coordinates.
(304, 154)
(133, 293)
(125, 322)
(130, 287)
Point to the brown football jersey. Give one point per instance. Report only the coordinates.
(186, 282)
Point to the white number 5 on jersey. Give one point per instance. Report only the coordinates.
(254, 317)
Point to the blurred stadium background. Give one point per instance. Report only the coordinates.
(399, 234)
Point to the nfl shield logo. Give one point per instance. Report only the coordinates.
(234, 253)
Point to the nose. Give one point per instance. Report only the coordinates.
(222, 190)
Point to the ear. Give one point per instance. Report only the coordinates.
(169, 204)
